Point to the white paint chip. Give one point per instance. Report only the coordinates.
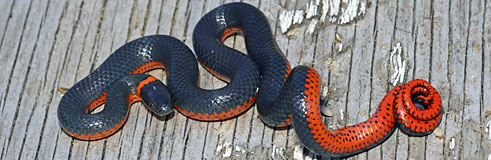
(325, 9)
(363, 8)
(340, 47)
(298, 17)
(334, 7)
(488, 130)
(398, 66)
(312, 25)
(337, 11)
(350, 13)
(225, 148)
(286, 18)
(311, 9)
(452, 144)
(277, 151)
(298, 152)
(342, 113)
(239, 149)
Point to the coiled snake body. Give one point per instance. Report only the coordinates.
(284, 97)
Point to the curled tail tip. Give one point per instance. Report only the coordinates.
(421, 111)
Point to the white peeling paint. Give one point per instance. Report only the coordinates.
(226, 148)
(398, 66)
(298, 17)
(363, 8)
(350, 13)
(325, 9)
(336, 11)
(239, 149)
(311, 9)
(488, 130)
(452, 144)
(277, 151)
(340, 47)
(334, 7)
(312, 25)
(285, 20)
(298, 152)
(310, 156)
(342, 114)
(338, 43)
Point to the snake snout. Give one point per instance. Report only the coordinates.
(156, 97)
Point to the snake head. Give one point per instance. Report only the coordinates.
(156, 97)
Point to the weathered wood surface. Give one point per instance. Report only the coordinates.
(47, 44)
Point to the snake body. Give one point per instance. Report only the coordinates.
(264, 76)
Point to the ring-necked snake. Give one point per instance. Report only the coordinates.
(284, 96)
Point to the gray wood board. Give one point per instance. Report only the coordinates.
(51, 44)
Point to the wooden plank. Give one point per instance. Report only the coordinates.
(384, 31)
(389, 149)
(95, 149)
(195, 130)
(152, 136)
(340, 76)
(161, 125)
(459, 13)
(266, 142)
(404, 34)
(243, 126)
(121, 141)
(471, 147)
(486, 83)
(299, 49)
(5, 10)
(132, 141)
(55, 143)
(213, 133)
(324, 57)
(44, 80)
(82, 42)
(358, 99)
(20, 94)
(439, 58)
(55, 46)
(86, 40)
(255, 146)
(8, 55)
(421, 63)
(174, 136)
(226, 131)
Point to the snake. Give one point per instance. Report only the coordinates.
(263, 76)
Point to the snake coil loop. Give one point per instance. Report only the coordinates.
(415, 107)
(419, 108)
